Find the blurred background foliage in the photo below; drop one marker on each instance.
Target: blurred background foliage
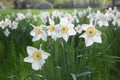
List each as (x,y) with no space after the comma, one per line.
(22,4)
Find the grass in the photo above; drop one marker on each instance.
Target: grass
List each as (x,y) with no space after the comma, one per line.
(68,61)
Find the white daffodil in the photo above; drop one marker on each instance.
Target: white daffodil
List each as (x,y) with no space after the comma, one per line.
(56,14)
(8,22)
(69,17)
(89,9)
(110,14)
(36,57)
(38,33)
(44,16)
(92,18)
(7,32)
(14,25)
(35,17)
(52,30)
(2,24)
(102,19)
(91,35)
(66,29)
(28,14)
(78,29)
(116,19)
(20,16)
(80,14)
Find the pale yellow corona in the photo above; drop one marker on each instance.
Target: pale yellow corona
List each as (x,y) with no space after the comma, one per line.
(36,56)
(51,28)
(118,17)
(64,29)
(37,30)
(91,31)
(78,28)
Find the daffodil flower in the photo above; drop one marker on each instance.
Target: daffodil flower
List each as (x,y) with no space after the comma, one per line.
(39,33)
(78,29)
(36,57)
(7,32)
(66,29)
(102,19)
(91,35)
(52,30)
(116,19)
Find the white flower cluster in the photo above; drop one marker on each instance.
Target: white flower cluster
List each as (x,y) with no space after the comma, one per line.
(8,24)
(62,25)
(103,19)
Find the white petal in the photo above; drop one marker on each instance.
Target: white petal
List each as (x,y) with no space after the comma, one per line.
(54,37)
(42,62)
(72,32)
(100,23)
(32,33)
(51,22)
(88,41)
(97,39)
(65,37)
(118,22)
(98,33)
(28,59)
(114,23)
(63,21)
(44,36)
(106,23)
(49,33)
(84,26)
(45,55)
(36,65)
(35,38)
(31,50)
(83,35)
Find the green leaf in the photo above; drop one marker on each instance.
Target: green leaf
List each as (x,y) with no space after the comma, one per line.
(73,76)
(83,74)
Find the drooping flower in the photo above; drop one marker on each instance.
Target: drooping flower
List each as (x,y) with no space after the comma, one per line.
(36,57)
(91,35)
(66,29)
(38,33)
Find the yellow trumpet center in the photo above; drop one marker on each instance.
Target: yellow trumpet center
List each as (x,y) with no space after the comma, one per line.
(91,31)
(36,56)
(51,28)
(118,17)
(37,30)
(78,28)
(64,29)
